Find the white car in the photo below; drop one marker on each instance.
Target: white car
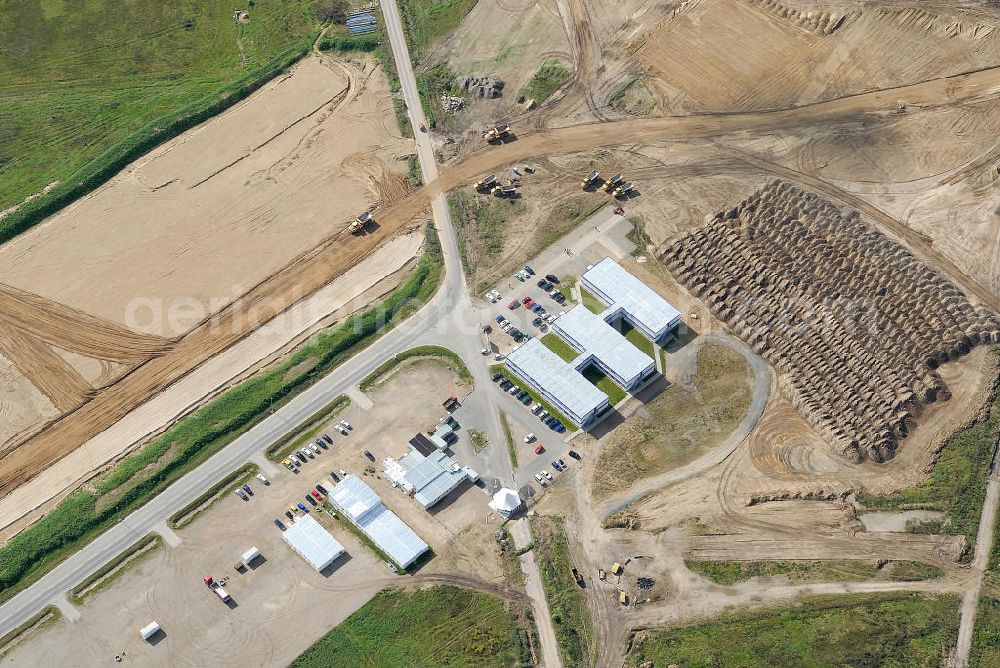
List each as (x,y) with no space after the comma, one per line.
(346,424)
(343,473)
(484,352)
(314,448)
(536,409)
(550,318)
(260,476)
(491,298)
(507,326)
(514,389)
(498,357)
(341,429)
(547,475)
(530,438)
(540,479)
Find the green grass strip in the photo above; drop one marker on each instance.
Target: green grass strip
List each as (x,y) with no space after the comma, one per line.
(84,514)
(450,358)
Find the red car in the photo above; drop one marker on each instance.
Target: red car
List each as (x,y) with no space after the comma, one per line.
(528,302)
(539,449)
(513,305)
(319,497)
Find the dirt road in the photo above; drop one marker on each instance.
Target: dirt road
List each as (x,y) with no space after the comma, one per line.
(312,270)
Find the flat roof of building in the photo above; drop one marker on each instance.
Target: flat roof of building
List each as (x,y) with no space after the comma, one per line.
(557,377)
(364,507)
(313,543)
(598,338)
(432,476)
(625,291)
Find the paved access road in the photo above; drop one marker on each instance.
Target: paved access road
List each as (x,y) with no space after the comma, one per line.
(448,319)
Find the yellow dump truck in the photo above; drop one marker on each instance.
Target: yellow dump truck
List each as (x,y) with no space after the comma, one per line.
(487,182)
(359,223)
(612,183)
(589,179)
(496,133)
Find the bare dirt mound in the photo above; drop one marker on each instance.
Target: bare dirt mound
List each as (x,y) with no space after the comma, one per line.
(856,324)
(723,55)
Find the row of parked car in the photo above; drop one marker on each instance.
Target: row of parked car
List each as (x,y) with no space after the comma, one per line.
(244,491)
(525,398)
(314,497)
(299,457)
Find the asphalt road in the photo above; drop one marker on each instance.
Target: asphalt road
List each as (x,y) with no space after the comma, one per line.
(449,319)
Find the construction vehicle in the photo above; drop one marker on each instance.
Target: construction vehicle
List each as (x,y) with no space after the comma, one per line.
(496,133)
(589,179)
(623,189)
(578,578)
(487,182)
(612,183)
(504,191)
(617,569)
(217,589)
(622,597)
(359,223)
(602,574)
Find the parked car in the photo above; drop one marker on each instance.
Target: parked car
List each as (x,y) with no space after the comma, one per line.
(314,448)
(521,395)
(310,499)
(536,409)
(369,455)
(278,524)
(529,270)
(547,475)
(484,352)
(540,479)
(302,507)
(543,284)
(551,278)
(321,489)
(498,357)
(574,454)
(561,463)
(528,438)
(292,510)
(343,473)
(519,277)
(500,319)
(536,308)
(328,438)
(513,305)
(555,465)
(246,488)
(346,424)
(505,384)
(544,414)
(306,453)
(289,514)
(260,476)
(527,300)
(560,428)
(495,377)
(287,463)
(316,495)
(339,428)
(526,399)
(537,322)
(514,389)
(243,495)
(539,449)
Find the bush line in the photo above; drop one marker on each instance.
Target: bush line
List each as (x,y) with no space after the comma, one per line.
(77,519)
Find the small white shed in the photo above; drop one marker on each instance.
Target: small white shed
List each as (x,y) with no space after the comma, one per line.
(149,630)
(250,555)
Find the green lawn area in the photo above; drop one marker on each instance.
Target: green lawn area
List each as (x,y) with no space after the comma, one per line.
(87,87)
(636,338)
(429,20)
(590,300)
(441,626)
(82,515)
(799,572)
(559,347)
(957,484)
(547,80)
(679,424)
(567,605)
(604,384)
(855,630)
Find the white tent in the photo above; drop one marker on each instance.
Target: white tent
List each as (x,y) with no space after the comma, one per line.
(250,555)
(505,502)
(149,630)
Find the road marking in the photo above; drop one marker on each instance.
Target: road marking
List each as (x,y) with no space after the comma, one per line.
(168,535)
(360,398)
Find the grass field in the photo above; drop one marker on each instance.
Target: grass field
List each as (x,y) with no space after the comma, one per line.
(546,81)
(481,225)
(87,87)
(429,20)
(855,630)
(957,484)
(679,424)
(601,381)
(801,572)
(441,626)
(593,304)
(567,606)
(559,347)
(85,513)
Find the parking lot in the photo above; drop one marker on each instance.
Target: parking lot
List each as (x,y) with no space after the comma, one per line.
(280,605)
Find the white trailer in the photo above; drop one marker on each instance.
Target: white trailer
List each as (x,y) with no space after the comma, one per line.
(250,555)
(149,630)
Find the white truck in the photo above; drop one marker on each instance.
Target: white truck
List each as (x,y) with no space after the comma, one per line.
(217,589)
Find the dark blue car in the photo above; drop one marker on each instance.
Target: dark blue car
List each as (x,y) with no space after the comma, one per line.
(499,318)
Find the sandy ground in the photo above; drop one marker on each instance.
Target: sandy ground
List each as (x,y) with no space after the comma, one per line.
(215,375)
(282,605)
(22,406)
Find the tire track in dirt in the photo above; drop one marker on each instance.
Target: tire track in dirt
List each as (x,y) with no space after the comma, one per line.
(65,327)
(307,273)
(51,374)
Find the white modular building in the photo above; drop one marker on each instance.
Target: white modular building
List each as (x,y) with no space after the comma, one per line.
(602,345)
(558,381)
(629,298)
(312,542)
(363,507)
(431,477)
